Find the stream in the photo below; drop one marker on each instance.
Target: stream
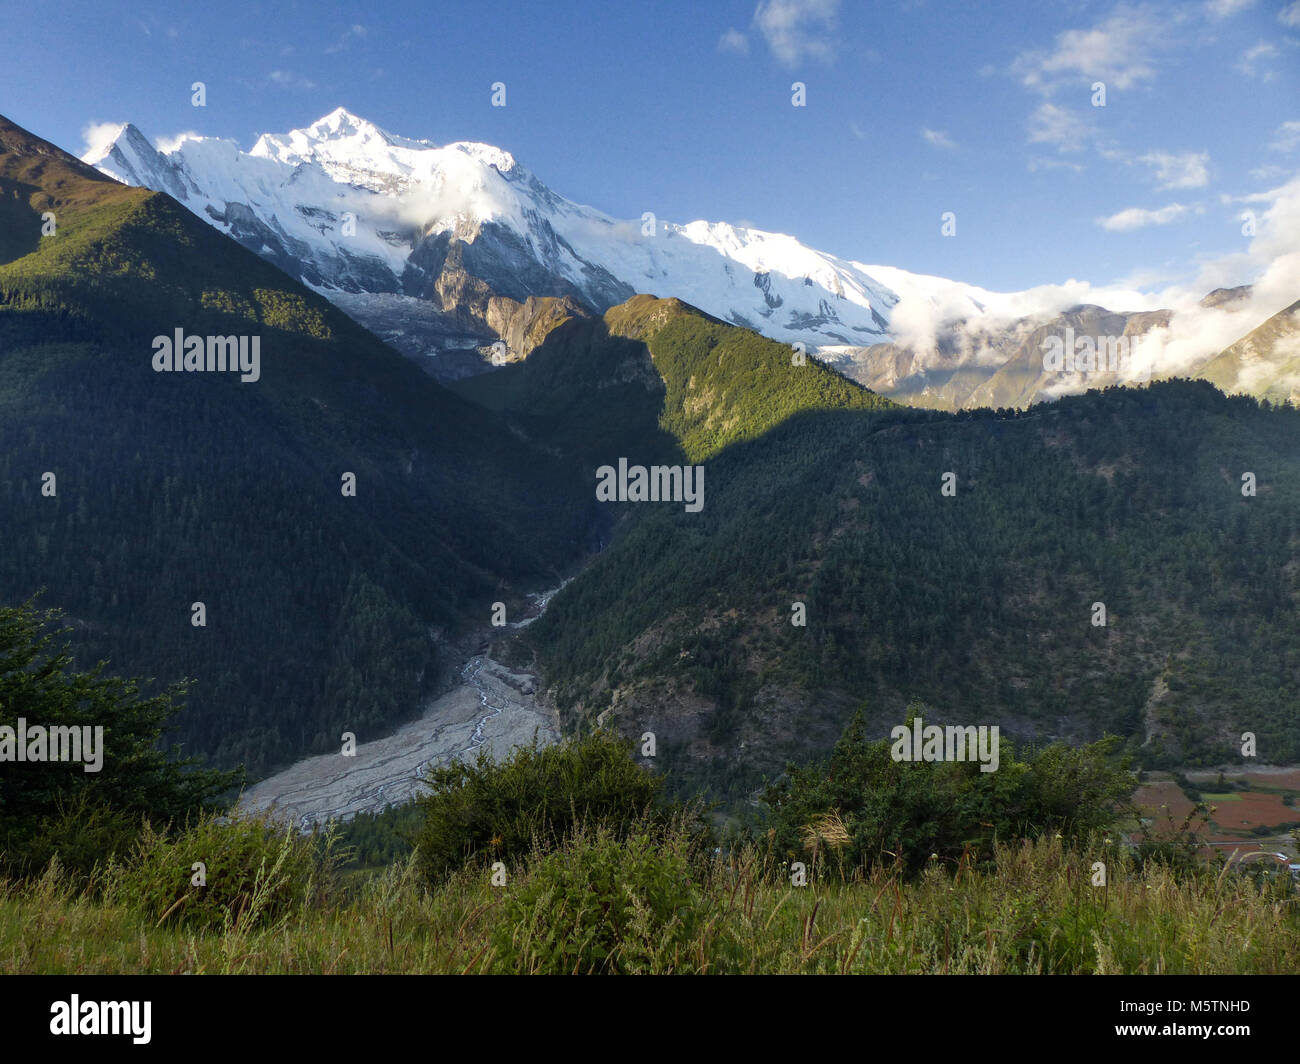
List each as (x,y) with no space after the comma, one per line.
(493,705)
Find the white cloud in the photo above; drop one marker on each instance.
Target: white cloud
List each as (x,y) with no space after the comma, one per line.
(1140,218)
(167,145)
(1116,51)
(938,138)
(1050,124)
(798,30)
(352,33)
(1248,64)
(1290,15)
(1287,137)
(1187,170)
(98,136)
(1269,172)
(734,41)
(927,304)
(1269,263)
(287,80)
(1225,8)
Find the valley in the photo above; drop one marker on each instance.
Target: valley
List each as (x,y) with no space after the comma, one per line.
(494,707)
(361,367)
(824,493)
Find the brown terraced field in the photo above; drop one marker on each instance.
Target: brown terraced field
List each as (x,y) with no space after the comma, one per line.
(1161,801)
(1236,813)
(1246,810)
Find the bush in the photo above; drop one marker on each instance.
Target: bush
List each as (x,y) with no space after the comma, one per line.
(83,834)
(501,811)
(602,905)
(863,808)
(256,872)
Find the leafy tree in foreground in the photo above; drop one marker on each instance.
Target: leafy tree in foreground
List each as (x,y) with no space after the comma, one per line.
(41,801)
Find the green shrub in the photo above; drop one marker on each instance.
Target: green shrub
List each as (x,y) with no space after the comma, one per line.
(255,872)
(83,834)
(500,811)
(862,808)
(602,905)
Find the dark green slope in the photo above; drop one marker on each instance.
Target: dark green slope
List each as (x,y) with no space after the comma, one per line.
(980,604)
(323,611)
(658,379)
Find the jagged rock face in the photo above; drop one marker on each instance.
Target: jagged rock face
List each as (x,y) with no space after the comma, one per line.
(357,212)
(473,283)
(972,365)
(446,251)
(523,326)
(1265,362)
(452,270)
(1226,297)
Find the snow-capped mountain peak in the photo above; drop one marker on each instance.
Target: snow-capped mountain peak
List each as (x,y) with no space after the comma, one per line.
(130,157)
(355,151)
(444,249)
(372,219)
(359,209)
(340,141)
(497,158)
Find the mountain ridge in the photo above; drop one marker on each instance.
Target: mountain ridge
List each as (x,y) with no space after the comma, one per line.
(767,280)
(324,611)
(448,252)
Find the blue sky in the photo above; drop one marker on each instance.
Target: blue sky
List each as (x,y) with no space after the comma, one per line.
(914,108)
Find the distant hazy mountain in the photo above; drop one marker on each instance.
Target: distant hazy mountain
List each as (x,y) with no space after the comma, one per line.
(1264,363)
(973,364)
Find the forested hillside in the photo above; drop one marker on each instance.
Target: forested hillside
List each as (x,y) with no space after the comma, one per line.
(658,378)
(828,567)
(324,611)
(981,602)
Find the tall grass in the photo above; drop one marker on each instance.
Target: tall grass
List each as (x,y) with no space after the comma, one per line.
(1034,910)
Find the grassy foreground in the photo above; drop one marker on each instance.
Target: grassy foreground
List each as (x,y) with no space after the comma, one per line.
(1033,911)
